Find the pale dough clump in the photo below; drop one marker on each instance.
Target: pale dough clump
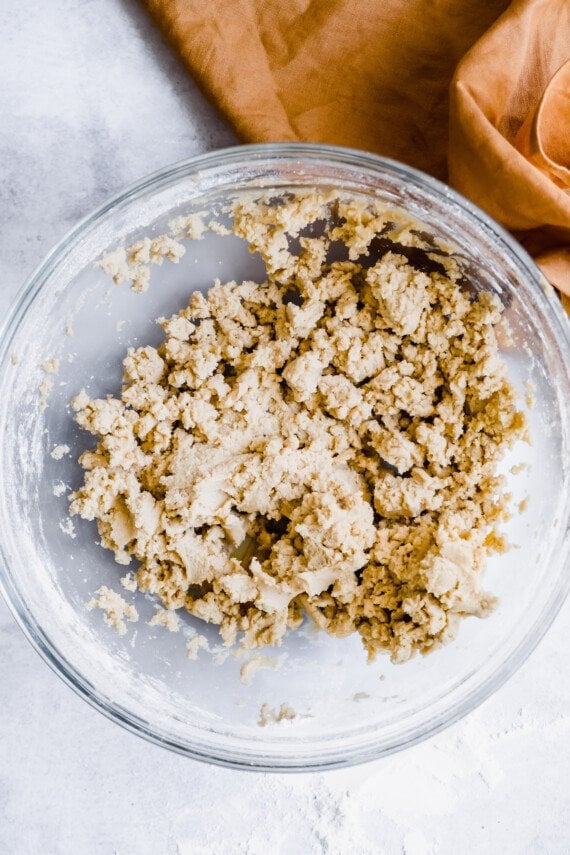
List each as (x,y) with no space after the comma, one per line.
(59,451)
(194,645)
(50,366)
(116,609)
(323,443)
(274,716)
(250,668)
(166,618)
(132,264)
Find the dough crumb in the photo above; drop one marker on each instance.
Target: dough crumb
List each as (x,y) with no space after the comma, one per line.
(250,668)
(166,618)
(220,656)
(59,489)
(523,505)
(14,358)
(218,228)
(59,451)
(274,716)
(132,264)
(68,327)
(116,609)
(46,385)
(194,645)
(115,265)
(129,582)
(191,226)
(50,366)
(119,326)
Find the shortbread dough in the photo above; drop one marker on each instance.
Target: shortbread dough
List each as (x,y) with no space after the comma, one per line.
(116,609)
(323,443)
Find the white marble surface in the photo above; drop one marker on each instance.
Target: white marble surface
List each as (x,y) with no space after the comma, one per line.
(91,99)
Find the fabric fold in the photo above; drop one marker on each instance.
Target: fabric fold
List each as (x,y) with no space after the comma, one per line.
(475,92)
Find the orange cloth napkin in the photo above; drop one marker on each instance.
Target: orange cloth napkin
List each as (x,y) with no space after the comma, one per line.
(476,92)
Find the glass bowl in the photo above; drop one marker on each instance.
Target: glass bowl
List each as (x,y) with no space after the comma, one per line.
(347,711)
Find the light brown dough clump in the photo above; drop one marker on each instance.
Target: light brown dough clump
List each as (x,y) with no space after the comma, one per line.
(116,609)
(323,443)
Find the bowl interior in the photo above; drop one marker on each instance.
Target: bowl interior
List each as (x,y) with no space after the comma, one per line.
(346,709)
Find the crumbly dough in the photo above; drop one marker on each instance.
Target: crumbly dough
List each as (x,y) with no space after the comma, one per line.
(193,226)
(250,668)
(195,644)
(59,489)
(129,582)
(132,264)
(324,443)
(166,618)
(116,609)
(50,366)
(58,452)
(271,716)
(46,385)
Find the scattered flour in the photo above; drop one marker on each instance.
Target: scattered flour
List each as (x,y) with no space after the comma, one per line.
(68,528)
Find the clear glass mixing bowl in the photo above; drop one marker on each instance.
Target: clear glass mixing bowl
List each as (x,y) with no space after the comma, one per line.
(347,710)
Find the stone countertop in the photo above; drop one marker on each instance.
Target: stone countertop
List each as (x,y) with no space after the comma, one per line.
(91,100)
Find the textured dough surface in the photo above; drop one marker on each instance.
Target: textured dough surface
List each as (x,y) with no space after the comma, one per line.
(324,443)
(115,608)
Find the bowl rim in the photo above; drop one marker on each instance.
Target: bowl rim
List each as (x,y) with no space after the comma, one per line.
(234,758)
